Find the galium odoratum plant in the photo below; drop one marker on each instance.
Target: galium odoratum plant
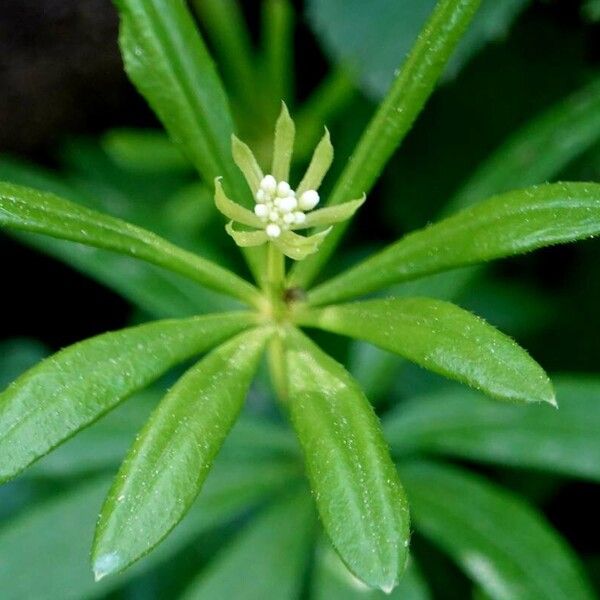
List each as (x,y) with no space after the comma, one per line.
(355,485)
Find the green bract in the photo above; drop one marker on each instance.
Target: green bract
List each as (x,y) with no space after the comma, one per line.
(280,210)
(357,489)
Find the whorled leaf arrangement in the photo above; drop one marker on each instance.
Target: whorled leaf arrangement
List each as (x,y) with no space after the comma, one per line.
(356,487)
(279,209)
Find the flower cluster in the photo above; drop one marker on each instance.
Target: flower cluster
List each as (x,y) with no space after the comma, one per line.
(279,210)
(278,207)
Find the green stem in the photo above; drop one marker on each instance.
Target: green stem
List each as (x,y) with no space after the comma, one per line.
(275,278)
(277,368)
(394,118)
(275,288)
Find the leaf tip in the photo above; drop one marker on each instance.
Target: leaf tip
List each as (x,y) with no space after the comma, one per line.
(388,588)
(284,109)
(106,564)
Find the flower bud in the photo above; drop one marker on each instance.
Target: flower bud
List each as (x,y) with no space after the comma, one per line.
(308,200)
(273,230)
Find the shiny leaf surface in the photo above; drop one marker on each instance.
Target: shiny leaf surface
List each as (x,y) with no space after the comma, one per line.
(25,209)
(74,387)
(358,495)
(445,339)
(170,459)
(505,225)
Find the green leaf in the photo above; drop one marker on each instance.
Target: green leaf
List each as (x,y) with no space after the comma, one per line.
(395,116)
(358,495)
(158,292)
(61,529)
(298,247)
(319,165)
(375,369)
(332,214)
(267,560)
(234,211)
(370,37)
(246,239)
(246,162)
(103,445)
(74,387)
(283,146)
(25,209)
(501,542)
(144,150)
(167,60)
(505,225)
(463,424)
(443,338)
(538,151)
(333,581)
(170,459)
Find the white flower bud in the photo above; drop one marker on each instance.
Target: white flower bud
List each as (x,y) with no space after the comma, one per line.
(273,216)
(289,218)
(261,210)
(308,200)
(268,184)
(260,195)
(283,189)
(273,230)
(299,217)
(288,204)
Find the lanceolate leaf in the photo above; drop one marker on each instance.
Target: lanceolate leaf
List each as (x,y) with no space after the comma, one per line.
(61,531)
(26,209)
(319,165)
(283,145)
(173,454)
(443,338)
(358,495)
(267,560)
(74,387)
(158,292)
(504,545)
(166,59)
(505,225)
(461,423)
(395,116)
